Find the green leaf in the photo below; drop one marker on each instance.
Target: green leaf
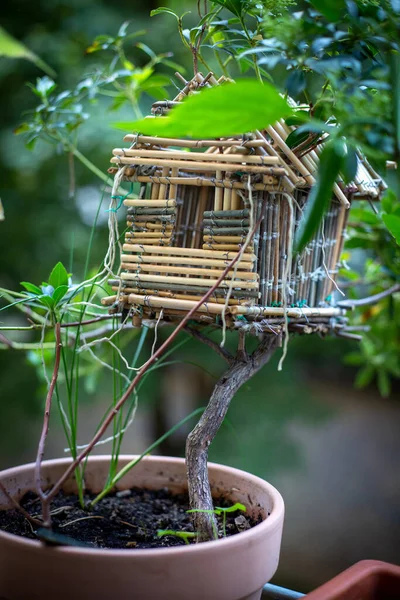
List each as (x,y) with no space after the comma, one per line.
(350,165)
(58,276)
(34,289)
(299,117)
(295,138)
(383,382)
(235,6)
(331,9)
(232,508)
(395,77)
(59,293)
(12,48)
(47,301)
(364,376)
(295,83)
(392,222)
(225,110)
(164,9)
(331,162)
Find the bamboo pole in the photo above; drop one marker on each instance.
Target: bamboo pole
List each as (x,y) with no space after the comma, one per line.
(236,159)
(200,290)
(201,166)
(168,294)
(207,272)
(221,214)
(186,252)
(231,223)
(174,303)
(228,231)
(147,225)
(160,212)
(267,148)
(167,203)
(199,281)
(227,247)
(265,311)
(296,162)
(202,181)
(228,239)
(160,141)
(145,241)
(183,260)
(149,234)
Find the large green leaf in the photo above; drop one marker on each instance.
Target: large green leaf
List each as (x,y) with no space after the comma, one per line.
(235,6)
(225,110)
(331,9)
(392,222)
(12,48)
(395,73)
(58,276)
(331,162)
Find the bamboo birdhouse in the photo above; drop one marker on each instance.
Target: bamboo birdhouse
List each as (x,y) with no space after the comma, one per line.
(202,200)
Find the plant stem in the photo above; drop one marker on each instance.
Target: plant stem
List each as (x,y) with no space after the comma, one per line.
(107,421)
(42,442)
(200,438)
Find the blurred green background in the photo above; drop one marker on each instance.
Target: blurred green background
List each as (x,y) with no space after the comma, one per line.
(330,449)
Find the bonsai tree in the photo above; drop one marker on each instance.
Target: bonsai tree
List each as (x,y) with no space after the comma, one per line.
(341,108)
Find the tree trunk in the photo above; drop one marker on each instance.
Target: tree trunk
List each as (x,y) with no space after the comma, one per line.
(241,369)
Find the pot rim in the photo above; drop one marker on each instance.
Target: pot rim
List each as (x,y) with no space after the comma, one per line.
(267,526)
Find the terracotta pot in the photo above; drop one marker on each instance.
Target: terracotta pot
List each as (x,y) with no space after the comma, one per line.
(366,580)
(235,568)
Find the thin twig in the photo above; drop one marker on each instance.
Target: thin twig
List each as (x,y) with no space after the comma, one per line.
(89,321)
(208,342)
(42,442)
(370,299)
(100,432)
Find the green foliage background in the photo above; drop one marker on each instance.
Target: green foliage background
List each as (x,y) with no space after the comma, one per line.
(45,217)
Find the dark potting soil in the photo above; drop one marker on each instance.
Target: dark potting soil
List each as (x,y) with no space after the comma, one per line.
(128,519)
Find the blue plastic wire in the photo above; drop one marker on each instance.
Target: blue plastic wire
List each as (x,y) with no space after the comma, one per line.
(274,592)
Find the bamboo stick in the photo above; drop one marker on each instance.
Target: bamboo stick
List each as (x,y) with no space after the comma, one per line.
(160,141)
(183,260)
(237,159)
(143,220)
(147,225)
(200,290)
(161,212)
(222,231)
(296,162)
(167,203)
(218,202)
(232,223)
(199,181)
(155,188)
(202,205)
(293,179)
(264,311)
(149,234)
(163,186)
(228,239)
(186,305)
(207,272)
(201,166)
(146,241)
(227,283)
(168,294)
(221,214)
(227,247)
(186,252)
